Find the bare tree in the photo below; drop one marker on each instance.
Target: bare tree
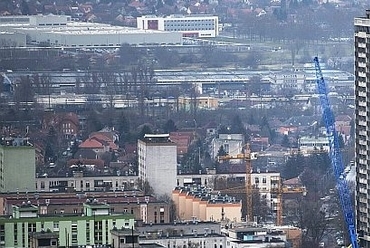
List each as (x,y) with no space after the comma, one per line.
(144,186)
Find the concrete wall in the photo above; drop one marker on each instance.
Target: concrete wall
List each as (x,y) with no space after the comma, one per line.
(158,165)
(18,165)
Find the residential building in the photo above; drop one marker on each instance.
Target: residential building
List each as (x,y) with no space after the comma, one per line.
(194,26)
(201,204)
(256,237)
(183,234)
(17,165)
(232,144)
(362,90)
(145,208)
(65,123)
(182,141)
(201,102)
(265,181)
(79,182)
(310,144)
(157,161)
(93,227)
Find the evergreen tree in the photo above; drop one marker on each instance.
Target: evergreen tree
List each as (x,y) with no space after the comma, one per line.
(221,151)
(285,142)
(293,167)
(145,130)
(170,126)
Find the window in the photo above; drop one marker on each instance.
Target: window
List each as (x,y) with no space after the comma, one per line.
(56,225)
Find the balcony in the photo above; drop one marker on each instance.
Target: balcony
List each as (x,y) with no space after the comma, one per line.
(362,123)
(362,74)
(362,104)
(362,84)
(362,93)
(362,55)
(360,44)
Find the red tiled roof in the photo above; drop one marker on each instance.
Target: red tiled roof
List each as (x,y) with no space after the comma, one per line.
(91,143)
(98,140)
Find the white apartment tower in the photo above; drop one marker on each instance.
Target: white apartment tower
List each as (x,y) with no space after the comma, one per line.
(157,159)
(362,136)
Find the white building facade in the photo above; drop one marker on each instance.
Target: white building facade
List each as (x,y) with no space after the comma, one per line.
(190,26)
(231,143)
(157,160)
(310,144)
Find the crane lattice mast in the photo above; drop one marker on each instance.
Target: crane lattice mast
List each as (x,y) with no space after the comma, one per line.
(336,156)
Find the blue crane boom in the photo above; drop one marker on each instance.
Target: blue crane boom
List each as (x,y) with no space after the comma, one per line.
(336,156)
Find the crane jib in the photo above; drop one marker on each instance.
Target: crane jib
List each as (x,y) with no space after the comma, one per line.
(336,156)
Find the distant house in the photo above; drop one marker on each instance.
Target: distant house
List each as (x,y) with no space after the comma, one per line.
(259,143)
(285,130)
(66,124)
(299,123)
(101,141)
(69,125)
(211,128)
(253,129)
(182,141)
(232,144)
(97,144)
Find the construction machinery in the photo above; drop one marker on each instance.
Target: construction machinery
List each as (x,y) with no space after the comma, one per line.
(283,189)
(277,187)
(246,156)
(336,156)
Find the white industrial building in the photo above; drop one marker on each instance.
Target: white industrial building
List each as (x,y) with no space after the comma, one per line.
(157,160)
(61,31)
(12,39)
(189,26)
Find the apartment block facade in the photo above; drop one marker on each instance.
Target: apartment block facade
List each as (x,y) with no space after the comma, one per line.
(199,203)
(145,209)
(362,126)
(91,228)
(157,159)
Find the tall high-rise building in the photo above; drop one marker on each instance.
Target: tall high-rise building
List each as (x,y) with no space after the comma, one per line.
(362,126)
(157,160)
(17,165)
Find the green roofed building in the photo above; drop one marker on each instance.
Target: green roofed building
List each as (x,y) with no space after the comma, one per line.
(93,227)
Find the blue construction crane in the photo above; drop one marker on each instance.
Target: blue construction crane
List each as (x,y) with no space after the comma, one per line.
(335,155)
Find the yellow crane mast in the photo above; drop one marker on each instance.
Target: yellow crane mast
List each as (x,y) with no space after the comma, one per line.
(280,190)
(246,156)
(248,189)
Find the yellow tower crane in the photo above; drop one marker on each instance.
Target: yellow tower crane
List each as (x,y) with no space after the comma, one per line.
(246,156)
(279,189)
(283,189)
